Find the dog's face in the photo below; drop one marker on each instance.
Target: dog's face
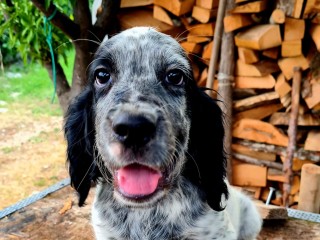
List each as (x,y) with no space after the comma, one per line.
(142,123)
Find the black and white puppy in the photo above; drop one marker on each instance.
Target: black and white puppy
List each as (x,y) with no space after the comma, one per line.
(154,143)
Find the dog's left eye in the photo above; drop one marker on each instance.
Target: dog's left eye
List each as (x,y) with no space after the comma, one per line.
(175,77)
(102,77)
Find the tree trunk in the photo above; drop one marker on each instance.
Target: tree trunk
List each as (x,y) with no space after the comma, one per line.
(63,89)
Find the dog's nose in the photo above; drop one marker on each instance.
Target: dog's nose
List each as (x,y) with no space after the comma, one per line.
(133,130)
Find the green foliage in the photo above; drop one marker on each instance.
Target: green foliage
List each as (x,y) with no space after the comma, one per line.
(24,27)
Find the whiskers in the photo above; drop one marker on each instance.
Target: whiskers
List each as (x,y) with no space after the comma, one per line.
(100,164)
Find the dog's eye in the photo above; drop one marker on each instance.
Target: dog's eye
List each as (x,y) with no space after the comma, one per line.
(175,77)
(102,77)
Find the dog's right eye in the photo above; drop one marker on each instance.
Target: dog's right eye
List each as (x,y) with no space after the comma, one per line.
(102,77)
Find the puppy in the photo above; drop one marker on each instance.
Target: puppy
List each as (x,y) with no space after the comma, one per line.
(153,141)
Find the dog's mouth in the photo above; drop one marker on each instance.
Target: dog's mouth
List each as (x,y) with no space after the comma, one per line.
(137,181)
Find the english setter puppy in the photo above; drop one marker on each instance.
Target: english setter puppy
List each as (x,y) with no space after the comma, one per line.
(153,141)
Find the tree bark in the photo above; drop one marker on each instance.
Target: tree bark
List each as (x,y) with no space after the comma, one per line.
(63,88)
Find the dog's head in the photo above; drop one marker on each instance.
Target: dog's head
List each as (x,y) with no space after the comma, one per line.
(142,123)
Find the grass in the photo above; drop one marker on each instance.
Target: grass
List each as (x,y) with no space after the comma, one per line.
(32,87)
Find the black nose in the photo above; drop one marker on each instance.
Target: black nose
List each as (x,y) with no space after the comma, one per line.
(133,130)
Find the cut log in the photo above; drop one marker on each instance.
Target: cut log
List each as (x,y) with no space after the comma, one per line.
(292,8)
(260,69)
(251,7)
(315,34)
(311,7)
(248,55)
(258,162)
(300,153)
(198,39)
(176,7)
(293,29)
(309,197)
(191,47)
(259,37)
(270,212)
(259,112)
(277,17)
(275,175)
(313,98)
(202,29)
(272,53)
(161,14)
(244,174)
(209,4)
(204,15)
(282,87)
(296,163)
(287,64)
(313,141)
(291,48)
(282,118)
(259,131)
(135,3)
(142,17)
(286,101)
(236,21)
(264,82)
(203,78)
(206,54)
(237,148)
(250,102)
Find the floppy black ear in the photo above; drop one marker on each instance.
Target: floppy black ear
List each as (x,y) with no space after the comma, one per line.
(206,165)
(80,134)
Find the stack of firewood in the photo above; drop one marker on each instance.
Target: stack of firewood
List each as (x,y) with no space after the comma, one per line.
(271,39)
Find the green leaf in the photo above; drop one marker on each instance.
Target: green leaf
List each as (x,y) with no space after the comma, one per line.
(47,3)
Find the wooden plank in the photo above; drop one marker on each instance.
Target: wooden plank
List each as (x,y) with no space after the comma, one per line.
(259,112)
(254,101)
(315,34)
(265,82)
(250,7)
(282,118)
(259,131)
(275,175)
(313,141)
(260,69)
(291,48)
(176,7)
(206,29)
(282,87)
(248,55)
(255,154)
(206,54)
(209,4)
(269,212)
(287,64)
(204,15)
(191,47)
(233,22)
(198,39)
(293,29)
(244,174)
(296,163)
(309,197)
(259,37)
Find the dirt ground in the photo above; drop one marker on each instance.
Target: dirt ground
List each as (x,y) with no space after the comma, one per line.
(32,153)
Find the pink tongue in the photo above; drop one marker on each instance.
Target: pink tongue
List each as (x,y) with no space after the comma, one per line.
(138,180)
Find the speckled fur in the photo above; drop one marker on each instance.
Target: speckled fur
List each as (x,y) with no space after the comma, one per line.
(185,207)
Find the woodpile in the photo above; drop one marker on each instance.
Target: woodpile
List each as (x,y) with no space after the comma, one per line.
(271,40)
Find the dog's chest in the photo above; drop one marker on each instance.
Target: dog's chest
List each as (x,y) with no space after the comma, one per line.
(177,217)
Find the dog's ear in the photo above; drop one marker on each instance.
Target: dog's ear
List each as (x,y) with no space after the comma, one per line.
(206,161)
(80,134)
